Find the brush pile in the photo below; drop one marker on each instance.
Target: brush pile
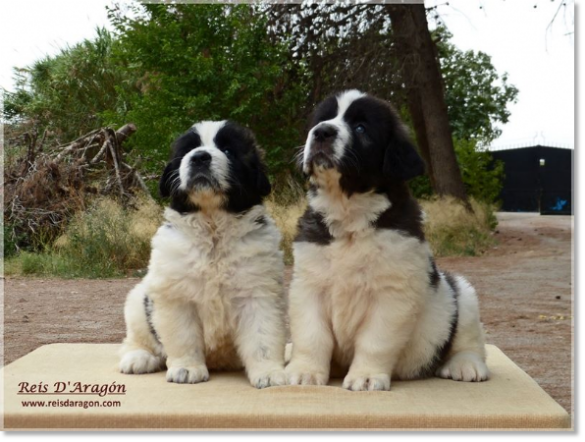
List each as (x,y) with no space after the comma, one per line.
(43,189)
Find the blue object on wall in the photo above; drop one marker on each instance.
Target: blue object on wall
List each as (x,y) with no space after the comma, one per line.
(559,205)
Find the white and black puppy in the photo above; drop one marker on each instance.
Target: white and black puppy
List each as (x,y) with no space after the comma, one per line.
(213,295)
(366,293)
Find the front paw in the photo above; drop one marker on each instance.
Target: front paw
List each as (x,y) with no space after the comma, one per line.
(466,367)
(139,362)
(271,378)
(367,382)
(297,374)
(188,375)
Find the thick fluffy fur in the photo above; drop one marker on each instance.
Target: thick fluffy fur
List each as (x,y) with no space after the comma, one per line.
(213,296)
(366,294)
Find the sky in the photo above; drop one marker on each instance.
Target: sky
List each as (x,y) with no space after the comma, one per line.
(539,61)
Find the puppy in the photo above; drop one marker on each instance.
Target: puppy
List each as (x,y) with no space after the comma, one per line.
(213,296)
(365,291)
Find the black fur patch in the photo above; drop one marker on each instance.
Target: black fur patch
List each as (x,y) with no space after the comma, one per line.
(261,220)
(148,307)
(404,213)
(452,283)
(443,350)
(312,228)
(434,276)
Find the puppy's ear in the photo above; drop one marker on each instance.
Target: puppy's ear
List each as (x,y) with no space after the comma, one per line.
(166,181)
(262,182)
(401,159)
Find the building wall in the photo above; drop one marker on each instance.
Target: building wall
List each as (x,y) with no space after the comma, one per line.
(532,187)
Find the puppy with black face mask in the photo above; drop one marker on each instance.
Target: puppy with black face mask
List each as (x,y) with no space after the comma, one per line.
(366,293)
(213,295)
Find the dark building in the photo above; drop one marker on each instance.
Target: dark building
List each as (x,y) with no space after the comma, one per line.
(538,179)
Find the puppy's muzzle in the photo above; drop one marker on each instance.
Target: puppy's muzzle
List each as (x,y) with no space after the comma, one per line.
(321,151)
(200,164)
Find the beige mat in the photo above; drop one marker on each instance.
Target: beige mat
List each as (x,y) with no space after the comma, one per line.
(511,399)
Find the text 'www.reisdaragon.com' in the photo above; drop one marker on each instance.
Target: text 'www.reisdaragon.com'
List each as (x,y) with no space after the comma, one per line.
(68,403)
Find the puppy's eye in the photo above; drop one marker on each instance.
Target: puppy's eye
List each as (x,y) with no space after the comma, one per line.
(227,151)
(360,129)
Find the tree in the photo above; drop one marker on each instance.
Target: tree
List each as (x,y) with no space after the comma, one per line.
(422,76)
(476,96)
(167,66)
(354,46)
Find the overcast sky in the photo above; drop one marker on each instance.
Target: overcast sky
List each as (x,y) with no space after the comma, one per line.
(540,62)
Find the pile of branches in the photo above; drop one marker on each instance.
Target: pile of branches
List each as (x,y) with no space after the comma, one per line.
(43,189)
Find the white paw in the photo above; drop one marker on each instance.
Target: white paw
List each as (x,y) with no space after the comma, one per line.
(139,362)
(270,378)
(367,382)
(188,375)
(464,366)
(304,375)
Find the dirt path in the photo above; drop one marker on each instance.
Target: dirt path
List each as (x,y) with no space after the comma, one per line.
(524,286)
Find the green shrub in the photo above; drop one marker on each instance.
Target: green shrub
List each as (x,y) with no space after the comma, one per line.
(482,176)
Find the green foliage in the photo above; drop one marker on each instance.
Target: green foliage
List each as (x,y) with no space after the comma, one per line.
(477,97)
(206,62)
(9,241)
(67,93)
(168,66)
(481,175)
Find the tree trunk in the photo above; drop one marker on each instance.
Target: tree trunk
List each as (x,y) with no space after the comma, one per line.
(418,121)
(423,79)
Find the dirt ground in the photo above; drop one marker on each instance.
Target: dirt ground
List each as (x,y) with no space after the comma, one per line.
(524,284)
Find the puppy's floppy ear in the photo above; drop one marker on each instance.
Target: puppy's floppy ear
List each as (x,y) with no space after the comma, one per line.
(166,180)
(262,182)
(401,160)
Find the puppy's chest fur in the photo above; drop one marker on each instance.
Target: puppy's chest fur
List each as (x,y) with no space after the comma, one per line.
(358,263)
(214,263)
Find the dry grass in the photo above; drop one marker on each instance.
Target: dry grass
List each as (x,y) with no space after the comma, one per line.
(449,227)
(454,231)
(286,216)
(105,241)
(109,240)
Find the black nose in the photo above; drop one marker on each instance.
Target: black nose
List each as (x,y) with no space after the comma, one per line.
(324,132)
(201,158)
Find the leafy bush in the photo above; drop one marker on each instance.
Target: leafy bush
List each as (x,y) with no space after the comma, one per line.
(206,62)
(9,241)
(66,94)
(482,176)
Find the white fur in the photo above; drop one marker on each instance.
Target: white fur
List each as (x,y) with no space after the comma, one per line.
(344,100)
(365,302)
(215,279)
